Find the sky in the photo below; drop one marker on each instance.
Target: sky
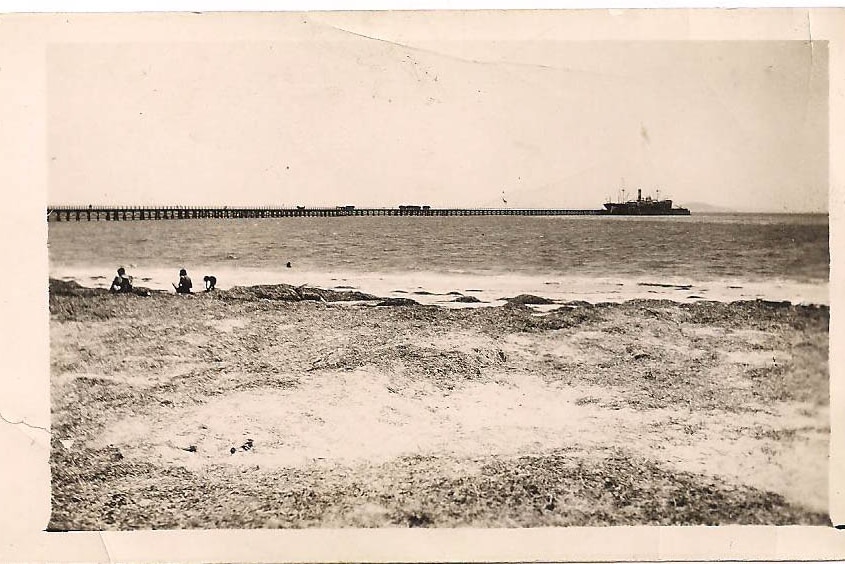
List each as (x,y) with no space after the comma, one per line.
(327,116)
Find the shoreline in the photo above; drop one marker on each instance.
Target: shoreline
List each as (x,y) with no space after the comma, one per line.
(308,413)
(440,288)
(283,292)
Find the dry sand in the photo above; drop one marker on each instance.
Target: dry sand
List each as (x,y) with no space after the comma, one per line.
(347,414)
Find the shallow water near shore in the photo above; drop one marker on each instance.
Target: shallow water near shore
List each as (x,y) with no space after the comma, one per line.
(722,257)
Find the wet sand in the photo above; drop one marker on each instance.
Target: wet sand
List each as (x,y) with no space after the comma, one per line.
(348,414)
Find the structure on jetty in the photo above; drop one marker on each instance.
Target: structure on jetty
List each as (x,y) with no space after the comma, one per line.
(127,213)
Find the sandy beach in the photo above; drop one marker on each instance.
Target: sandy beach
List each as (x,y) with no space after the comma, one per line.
(278,406)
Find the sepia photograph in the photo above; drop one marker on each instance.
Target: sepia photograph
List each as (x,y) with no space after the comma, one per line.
(339,281)
(399,270)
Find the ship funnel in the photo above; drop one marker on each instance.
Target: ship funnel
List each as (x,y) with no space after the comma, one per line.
(639,194)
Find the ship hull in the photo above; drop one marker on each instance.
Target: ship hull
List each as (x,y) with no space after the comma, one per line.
(634,211)
(642,206)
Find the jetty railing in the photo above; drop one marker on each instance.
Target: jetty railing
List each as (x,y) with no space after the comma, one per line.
(145,213)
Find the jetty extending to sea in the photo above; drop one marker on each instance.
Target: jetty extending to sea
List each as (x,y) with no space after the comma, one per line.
(640,206)
(127,213)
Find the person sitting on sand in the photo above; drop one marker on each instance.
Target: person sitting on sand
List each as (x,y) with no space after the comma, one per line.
(122,284)
(210,282)
(185,283)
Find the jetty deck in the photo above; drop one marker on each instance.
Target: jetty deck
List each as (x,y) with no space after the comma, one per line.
(143,213)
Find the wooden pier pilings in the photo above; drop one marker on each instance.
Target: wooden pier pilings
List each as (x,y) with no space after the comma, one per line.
(141,213)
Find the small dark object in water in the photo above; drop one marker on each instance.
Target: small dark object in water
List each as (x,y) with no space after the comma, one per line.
(192,448)
(288,265)
(247,445)
(233,450)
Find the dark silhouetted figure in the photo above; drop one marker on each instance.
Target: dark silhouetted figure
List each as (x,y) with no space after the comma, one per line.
(288,265)
(210,282)
(122,284)
(185,283)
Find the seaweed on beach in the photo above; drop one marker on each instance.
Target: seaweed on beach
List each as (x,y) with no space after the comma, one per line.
(103,489)
(758,314)
(155,360)
(286,292)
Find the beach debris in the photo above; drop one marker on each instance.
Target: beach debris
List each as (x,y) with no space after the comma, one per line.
(419,519)
(310,295)
(660,285)
(528,299)
(398,302)
(288,293)
(247,445)
(578,303)
(73,288)
(191,448)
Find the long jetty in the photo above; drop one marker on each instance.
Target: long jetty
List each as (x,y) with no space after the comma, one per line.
(141,213)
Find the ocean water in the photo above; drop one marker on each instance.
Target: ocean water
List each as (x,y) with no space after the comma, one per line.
(703,256)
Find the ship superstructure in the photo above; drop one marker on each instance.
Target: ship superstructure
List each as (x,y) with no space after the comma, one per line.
(644,206)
